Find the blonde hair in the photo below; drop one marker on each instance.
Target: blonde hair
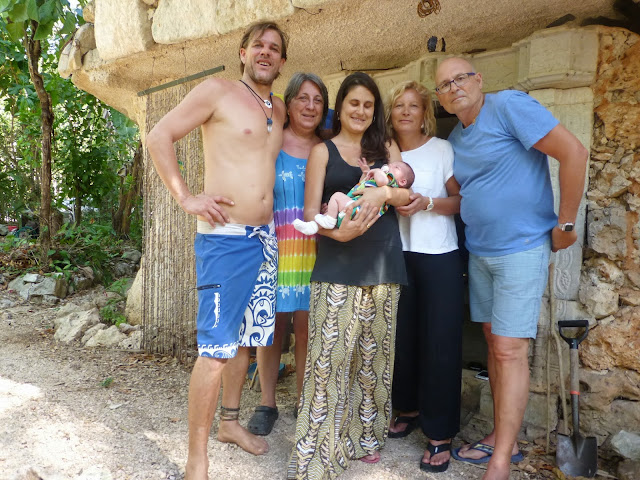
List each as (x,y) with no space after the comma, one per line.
(429,120)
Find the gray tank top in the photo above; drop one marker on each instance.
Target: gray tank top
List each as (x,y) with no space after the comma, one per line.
(373,258)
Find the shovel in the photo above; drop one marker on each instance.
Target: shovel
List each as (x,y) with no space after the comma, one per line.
(576,455)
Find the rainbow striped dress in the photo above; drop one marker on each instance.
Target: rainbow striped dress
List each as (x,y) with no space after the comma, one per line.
(297,252)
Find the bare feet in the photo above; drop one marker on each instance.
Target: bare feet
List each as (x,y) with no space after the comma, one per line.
(197,468)
(438,458)
(233,432)
(372,458)
(497,471)
(467,452)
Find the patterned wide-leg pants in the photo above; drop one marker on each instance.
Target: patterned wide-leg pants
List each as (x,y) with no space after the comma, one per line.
(345,405)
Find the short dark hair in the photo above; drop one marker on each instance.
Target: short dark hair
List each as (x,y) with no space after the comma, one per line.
(258,28)
(293,87)
(375,139)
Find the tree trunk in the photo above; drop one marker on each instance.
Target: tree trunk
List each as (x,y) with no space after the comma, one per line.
(32,48)
(77,204)
(123,215)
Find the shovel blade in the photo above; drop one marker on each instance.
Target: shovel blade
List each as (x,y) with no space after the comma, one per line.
(577,456)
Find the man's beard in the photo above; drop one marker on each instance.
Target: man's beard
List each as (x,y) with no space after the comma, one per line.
(261,81)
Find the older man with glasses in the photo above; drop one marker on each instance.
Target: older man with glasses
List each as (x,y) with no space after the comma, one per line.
(500,160)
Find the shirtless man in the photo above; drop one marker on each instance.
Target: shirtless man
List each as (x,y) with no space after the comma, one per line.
(236,248)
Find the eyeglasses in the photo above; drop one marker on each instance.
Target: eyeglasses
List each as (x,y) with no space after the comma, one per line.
(459,80)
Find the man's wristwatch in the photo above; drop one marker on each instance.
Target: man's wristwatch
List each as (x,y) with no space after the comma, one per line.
(566,227)
(430,206)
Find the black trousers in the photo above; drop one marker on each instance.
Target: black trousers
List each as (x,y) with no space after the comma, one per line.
(428,358)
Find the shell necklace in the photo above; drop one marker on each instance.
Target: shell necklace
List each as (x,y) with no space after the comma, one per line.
(268,104)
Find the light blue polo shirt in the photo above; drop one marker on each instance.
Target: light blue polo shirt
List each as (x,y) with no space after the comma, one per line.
(507,200)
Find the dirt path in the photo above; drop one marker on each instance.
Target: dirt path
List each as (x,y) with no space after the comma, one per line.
(93,414)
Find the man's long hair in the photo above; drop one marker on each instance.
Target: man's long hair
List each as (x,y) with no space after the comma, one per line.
(257,29)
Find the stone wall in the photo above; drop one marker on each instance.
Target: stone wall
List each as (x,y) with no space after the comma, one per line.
(610,279)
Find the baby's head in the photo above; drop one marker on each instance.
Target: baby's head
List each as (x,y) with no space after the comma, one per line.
(403,173)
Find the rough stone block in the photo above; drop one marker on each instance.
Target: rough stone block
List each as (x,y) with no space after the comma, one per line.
(627,444)
(231,14)
(91,332)
(74,325)
(109,337)
(176,21)
(308,3)
(133,341)
(122,28)
(89,12)
(535,414)
(559,58)
(600,298)
(615,344)
(629,470)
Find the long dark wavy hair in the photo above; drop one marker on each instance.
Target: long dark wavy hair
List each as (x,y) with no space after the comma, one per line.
(375,139)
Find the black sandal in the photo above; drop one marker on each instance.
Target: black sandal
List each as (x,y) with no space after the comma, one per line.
(434,450)
(263,419)
(411,422)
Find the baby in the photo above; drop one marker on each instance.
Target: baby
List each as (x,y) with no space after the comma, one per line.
(396,174)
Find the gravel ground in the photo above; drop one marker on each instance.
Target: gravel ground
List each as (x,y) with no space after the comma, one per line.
(75,413)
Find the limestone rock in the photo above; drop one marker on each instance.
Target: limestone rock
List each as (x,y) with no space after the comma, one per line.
(604,423)
(109,337)
(50,286)
(38,289)
(634,277)
(626,444)
(606,271)
(74,325)
(607,230)
(603,387)
(152,3)
(133,307)
(83,278)
(598,297)
(89,12)
(122,28)
(91,332)
(177,21)
(630,296)
(615,344)
(127,329)
(132,256)
(231,14)
(629,470)
(4,230)
(307,3)
(133,341)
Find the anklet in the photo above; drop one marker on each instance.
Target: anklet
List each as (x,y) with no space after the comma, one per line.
(229,414)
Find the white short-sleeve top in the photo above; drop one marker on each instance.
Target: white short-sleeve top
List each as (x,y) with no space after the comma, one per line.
(429,232)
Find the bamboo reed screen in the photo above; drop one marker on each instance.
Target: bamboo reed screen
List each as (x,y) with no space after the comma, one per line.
(169,299)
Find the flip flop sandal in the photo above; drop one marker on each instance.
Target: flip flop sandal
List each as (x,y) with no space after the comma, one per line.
(434,450)
(262,420)
(483,447)
(411,422)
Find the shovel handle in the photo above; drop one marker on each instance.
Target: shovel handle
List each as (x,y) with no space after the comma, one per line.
(573,341)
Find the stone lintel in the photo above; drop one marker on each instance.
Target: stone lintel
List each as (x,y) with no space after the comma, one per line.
(176,21)
(122,28)
(231,14)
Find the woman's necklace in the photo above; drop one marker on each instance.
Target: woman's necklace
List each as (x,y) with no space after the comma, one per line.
(268,104)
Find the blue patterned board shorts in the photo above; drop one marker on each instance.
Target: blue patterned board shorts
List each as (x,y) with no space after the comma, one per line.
(237,270)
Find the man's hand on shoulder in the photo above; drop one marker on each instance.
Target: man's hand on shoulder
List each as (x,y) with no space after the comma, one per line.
(561,240)
(208,207)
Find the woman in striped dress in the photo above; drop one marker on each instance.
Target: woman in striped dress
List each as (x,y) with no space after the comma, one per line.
(307,105)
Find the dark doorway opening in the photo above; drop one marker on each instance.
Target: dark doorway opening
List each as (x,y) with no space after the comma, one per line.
(474,347)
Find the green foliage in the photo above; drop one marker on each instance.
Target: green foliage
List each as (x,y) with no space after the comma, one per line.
(111,313)
(91,244)
(106,383)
